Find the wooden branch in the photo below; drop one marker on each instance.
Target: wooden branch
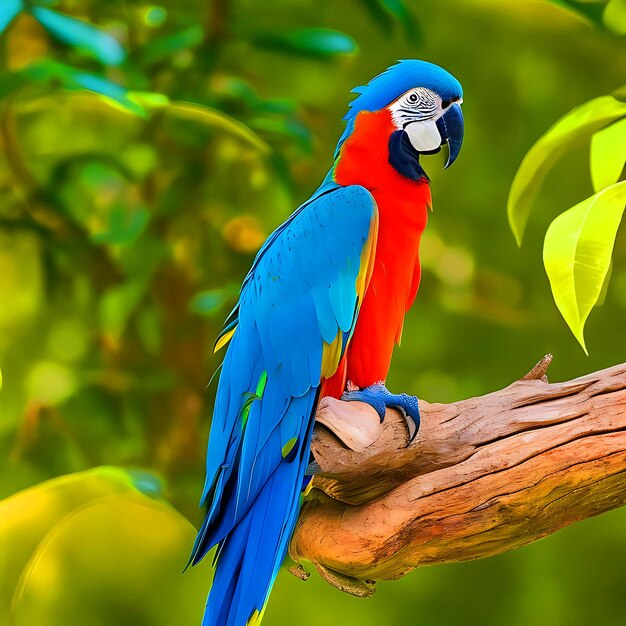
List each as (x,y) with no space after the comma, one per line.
(483,476)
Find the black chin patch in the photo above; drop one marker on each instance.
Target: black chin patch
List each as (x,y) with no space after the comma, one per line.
(404,158)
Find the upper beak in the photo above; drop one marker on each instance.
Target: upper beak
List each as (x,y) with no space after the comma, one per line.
(450,126)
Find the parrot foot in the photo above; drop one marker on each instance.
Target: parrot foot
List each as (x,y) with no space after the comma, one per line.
(379,397)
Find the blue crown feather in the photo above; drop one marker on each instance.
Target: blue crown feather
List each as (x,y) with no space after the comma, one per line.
(393,82)
(399,78)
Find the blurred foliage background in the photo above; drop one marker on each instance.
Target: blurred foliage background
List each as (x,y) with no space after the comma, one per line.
(144,160)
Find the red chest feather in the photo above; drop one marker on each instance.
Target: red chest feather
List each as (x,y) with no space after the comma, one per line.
(403,211)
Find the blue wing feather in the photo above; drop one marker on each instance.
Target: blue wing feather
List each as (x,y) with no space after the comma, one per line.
(300,292)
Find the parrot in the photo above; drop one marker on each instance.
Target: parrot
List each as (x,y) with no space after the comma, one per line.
(318,315)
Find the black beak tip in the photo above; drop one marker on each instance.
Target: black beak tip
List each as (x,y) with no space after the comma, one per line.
(454,147)
(451,128)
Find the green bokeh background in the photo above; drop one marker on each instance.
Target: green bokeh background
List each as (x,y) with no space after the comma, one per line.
(123,240)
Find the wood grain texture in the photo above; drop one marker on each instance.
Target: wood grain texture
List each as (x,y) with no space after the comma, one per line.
(483,476)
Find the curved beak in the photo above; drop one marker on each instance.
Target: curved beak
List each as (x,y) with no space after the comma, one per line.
(450,126)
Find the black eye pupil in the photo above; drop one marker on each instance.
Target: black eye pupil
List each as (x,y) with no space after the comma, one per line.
(413,98)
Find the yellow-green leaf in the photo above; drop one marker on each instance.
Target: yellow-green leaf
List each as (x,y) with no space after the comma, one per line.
(219,119)
(577,125)
(608,155)
(605,285)
(115,560)
(614,16)
(577,254)
(149,100)
(26,517)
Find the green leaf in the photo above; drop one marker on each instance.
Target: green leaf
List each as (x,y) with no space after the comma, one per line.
(164,47)
(574,127)
(286,127)
(113,92)
(212,301)
(316,42)
(141,102)
(72,79)
(8,11)
(399,10)
(385,12)
(589,11)
(614,16)
(608,155)
(577,254)
(79,34)
(235,88)
(218,119)
(125,225)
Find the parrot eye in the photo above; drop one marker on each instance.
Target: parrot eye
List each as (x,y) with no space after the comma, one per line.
(415,105)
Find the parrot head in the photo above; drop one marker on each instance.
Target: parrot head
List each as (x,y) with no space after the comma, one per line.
(424,102)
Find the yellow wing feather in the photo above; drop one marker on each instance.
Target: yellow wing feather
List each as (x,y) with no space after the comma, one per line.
(223,340)
(331,353)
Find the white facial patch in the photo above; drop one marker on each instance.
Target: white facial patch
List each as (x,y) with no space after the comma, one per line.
(424,136)
(416,112)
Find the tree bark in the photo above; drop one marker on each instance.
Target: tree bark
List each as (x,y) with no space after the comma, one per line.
(482,476)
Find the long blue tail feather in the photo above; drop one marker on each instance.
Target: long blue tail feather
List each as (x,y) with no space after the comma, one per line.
(251,553)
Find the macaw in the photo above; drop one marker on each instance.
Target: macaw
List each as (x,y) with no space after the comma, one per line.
(319,314)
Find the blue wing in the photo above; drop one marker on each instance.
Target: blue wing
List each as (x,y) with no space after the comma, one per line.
(296,310)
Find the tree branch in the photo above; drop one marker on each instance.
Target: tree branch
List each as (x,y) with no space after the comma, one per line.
(483,476)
